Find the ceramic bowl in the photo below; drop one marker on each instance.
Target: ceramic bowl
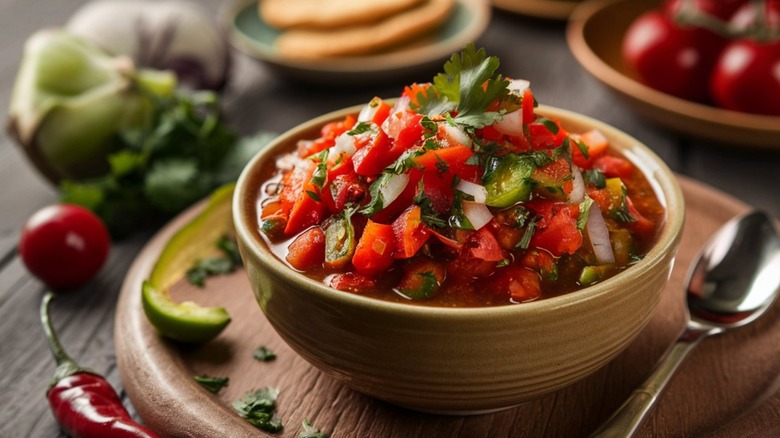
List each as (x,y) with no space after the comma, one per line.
(457,360)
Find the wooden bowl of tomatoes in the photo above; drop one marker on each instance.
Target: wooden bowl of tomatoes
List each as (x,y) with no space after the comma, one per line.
(452,298)
(684,76)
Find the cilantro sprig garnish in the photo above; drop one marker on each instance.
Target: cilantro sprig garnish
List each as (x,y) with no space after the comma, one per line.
(468,85)
(221,265)
(212,384)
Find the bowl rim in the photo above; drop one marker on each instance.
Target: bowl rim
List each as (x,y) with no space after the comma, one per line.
(666,187)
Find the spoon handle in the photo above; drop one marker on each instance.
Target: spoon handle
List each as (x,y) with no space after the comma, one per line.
(626,420)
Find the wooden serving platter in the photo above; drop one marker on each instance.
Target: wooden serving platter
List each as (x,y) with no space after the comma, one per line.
(728,387)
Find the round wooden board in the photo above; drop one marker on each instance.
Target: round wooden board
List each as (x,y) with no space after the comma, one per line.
(728,387)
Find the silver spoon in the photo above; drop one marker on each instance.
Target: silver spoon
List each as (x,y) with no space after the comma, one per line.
(733,281)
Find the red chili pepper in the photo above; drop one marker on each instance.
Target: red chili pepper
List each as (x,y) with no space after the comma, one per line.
(83,402)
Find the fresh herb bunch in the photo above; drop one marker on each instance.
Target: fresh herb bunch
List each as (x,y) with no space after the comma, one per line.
(258,408)
(179,156)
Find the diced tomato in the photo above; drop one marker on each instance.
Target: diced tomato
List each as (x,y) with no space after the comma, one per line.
(596,145)
(540,261)
(522,284)
(390,212)
(422,278)
(528,106)
(557,230)
(410,233)
(447,241)
(371,159)
(292,185)
(466,267)
(307,250)
(484,246)
(542,138)
(405,130)
(306,211)
(374,251)
(451,159)
(554,180)
(352,282)
(381,113)
(613,167)
(339,166)
(329,132)
(642,224)
(508,237)
(437,188)
(344,189)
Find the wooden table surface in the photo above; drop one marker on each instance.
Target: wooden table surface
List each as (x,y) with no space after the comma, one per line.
(258,100)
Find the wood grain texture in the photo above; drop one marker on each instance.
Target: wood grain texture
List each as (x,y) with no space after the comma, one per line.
(722,380)
(257,99)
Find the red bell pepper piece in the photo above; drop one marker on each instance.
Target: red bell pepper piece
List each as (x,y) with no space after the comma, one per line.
(374,251)
(410,233)
(306,211)
(307,250)
(371,159)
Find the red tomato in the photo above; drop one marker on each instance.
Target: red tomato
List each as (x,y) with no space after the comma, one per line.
(747,78)
(722,9)
(64,245)
(307,250)
(374,251)
(520,283)
(670,58)
(745,16)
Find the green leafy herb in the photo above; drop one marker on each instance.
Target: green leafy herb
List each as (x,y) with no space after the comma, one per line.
(258,408)
(549,124)
(321,171)
(309,431)
(360,128)
(582,218)
(428,214)
(179,156)
(583,149)
(460,87)
(263,354)
(313,195)
(375,191)
(621,212)
(225,264)
(212,384)
(595,177)
(525,241)
(502,263)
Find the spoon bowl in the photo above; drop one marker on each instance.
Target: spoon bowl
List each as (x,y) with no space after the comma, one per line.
(734,281)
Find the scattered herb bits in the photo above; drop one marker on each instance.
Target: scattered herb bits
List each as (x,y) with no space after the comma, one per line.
(212,384)
(263,354)
(258,408)
(309,431)
(223,265)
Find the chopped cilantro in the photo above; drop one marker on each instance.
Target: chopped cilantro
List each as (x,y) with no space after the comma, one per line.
(212,384)
(208,267)
(360,128)
(502,263)
(309,431)
(258,408)
(621,212)
(263,354)
(582,218)
(549,124)
(525,241)
(321,172)
(376,202)
(595,177)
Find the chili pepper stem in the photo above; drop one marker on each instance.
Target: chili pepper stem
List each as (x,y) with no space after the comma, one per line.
(66,366)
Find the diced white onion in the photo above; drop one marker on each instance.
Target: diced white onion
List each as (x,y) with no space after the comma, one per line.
(287,161)
(345,143)
(510,123)
(477,213)
(368,111)
(455,135)
(402,104)
(477,191)
(518,86)
(599,236)
(578,186)
(393,188)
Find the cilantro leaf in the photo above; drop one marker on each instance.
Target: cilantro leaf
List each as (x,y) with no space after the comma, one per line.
(258,406)
(460,88)
(202,269)
(263,354)
(212,384)
(309,431)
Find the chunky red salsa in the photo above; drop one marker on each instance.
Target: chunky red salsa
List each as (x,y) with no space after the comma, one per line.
(458,194)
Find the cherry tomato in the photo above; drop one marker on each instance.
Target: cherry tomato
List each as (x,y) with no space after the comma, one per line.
(745,17)
(672,59)
(747,77)
(64,245)
(722,9)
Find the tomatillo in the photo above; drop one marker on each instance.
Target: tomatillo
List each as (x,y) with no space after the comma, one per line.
(508,180)
(188,321)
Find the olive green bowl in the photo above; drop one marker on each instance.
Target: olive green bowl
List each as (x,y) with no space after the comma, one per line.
(457,360)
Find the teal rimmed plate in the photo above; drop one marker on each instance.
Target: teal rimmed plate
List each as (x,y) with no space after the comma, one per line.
(251,35)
